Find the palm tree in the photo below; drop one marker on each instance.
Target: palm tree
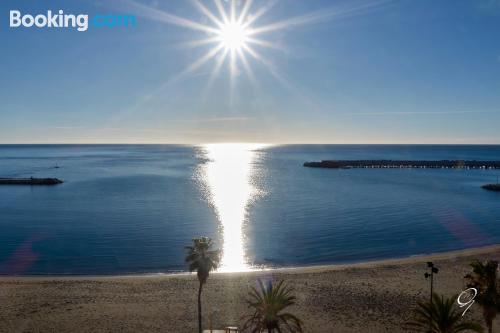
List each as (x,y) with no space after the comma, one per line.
(268,304)
(203,260)
(484,279)
(441,316)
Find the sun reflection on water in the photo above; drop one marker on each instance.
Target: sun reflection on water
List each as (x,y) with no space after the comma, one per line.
(227,176)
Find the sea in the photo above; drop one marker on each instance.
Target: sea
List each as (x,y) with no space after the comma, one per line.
(132,209)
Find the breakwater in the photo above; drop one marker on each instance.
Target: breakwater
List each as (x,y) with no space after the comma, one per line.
(397,164)
(30,181)
(492,187)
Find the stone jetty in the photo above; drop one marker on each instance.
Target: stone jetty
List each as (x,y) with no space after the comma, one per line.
(397,164)
(30,181)
(492,187)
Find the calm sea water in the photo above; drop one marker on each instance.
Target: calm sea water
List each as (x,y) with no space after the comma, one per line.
(133,208)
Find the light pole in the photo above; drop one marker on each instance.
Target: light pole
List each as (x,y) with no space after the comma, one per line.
(431,275)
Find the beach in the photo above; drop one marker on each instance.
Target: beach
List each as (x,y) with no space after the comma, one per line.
(367,297)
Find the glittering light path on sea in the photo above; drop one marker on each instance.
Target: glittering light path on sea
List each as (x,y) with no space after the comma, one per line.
(227,177)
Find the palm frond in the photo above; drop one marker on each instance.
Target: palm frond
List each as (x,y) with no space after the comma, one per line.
(268,300)
(201,258)
(441,316)
(484,279)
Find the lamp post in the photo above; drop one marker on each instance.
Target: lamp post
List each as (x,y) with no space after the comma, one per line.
(433,270)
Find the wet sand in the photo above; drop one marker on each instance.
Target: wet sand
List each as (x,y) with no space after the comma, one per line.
(368,297)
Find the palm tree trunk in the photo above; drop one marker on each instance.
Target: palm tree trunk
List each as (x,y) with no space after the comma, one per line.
(488,318)
(200,330)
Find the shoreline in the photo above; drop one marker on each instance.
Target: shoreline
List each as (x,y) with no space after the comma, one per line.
(416,258)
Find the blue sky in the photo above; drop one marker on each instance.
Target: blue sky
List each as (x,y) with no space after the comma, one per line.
(346,72)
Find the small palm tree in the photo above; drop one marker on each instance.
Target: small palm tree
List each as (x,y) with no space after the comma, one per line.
(441,316)
(202,259)
(484,279)
(268,304)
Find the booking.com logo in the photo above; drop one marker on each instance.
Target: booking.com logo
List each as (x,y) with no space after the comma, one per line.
(61,20)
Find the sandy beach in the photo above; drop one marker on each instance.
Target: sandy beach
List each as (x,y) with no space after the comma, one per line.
(368,297)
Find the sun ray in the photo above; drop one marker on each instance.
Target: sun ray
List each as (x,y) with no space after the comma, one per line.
(202,60)
(246,67)
(264,43)
(233,10)
(281,79)
(199,42)
(263,10)
(252,52)
(233,61)
(232,31)
(203,9)
(166,17)
(190,69)
(215,72)
(219,62)
(222,11)
(232,75)
(272,69)
(244,11)
(318,16)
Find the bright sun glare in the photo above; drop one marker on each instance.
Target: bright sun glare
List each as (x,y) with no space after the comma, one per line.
(233,36)
(228,177)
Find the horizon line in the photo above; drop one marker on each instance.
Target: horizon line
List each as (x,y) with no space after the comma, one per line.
(246,142)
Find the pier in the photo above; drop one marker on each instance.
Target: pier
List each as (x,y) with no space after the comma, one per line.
(403,164)
(30,181)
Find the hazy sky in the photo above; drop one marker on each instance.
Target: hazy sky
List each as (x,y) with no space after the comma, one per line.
(421,71)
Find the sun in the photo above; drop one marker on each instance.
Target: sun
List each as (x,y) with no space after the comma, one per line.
(233,36)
